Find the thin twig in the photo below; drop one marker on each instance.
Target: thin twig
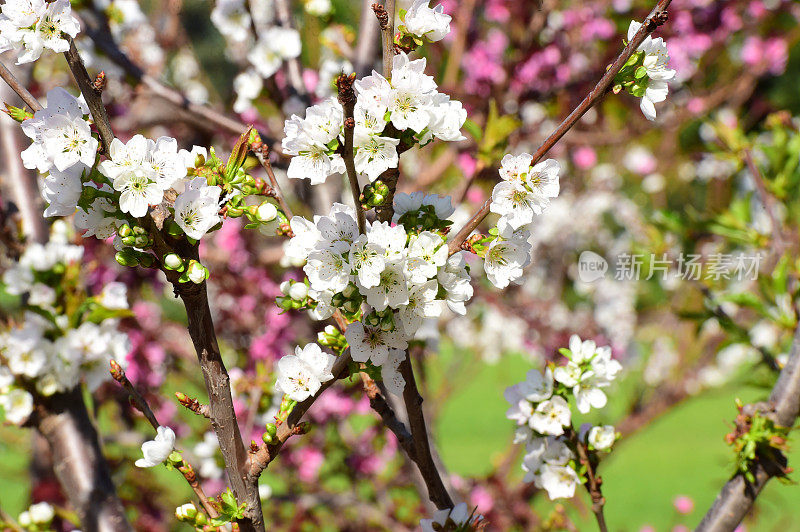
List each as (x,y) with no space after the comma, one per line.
(140,403)
(261,152)
(266,453)
(90,94)
(23,93)
(656,17)
(210,118)
(347,98)
(386,22)
(593,482)
(365,44)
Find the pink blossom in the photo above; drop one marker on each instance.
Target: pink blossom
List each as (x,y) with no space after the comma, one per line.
(683,504)
(584,157)
(309,460)
(467,163)
(482,499)
(475,195)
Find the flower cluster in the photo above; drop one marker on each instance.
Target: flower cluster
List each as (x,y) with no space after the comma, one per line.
(113,195)
(301,375)
(62,339)
(524,191)
(403,273)
(404,111)
(540,408)
(646,75)
(38,516)
(33,25)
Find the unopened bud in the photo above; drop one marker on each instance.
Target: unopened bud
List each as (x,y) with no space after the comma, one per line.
(266,212)
(298,291)
(172,261)
(186,512)
(196,272)
(285,286)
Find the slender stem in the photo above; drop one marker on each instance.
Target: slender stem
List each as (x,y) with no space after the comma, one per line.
(207,117)
(347,98)
(656,17)
(23,93)
(90,94)
(416,420)
(593,482)
(387,39)
(141,404)
(738,495)
(262,154)
(265,454)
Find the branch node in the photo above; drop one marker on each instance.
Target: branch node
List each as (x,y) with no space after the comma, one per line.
(383,16)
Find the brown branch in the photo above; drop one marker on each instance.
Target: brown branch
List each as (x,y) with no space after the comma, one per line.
(379,404)
(215,375)
(738,495)
(593,482)
(138,400)
(23,93)
(140,403)
(424,459)
(385,14)
(90,94)
(207,117)
(347,98)
(656,17)
(261,152)
(78,462)
(266,453)
(193,405)
(223,416)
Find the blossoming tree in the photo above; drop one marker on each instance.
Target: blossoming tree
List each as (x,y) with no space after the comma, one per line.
(373,262)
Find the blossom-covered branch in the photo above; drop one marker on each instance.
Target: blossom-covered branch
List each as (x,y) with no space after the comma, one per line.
(657,17)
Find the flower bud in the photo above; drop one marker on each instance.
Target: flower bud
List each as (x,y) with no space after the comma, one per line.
(285,286)
(124,230)
(338,299)
(298,291)
(196,272)
(126,257)
(266,212)
(186,512)
(331,330)
(348,291)
(351,306)
(172,261)
(272,429)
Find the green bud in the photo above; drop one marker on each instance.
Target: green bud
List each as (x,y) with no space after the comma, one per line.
(129,240)
(268,439)
(272,429)
(126,258)
(338,299)
(373,320)
(124,230)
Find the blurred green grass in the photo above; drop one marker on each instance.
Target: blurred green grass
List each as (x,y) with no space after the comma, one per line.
(681,453)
